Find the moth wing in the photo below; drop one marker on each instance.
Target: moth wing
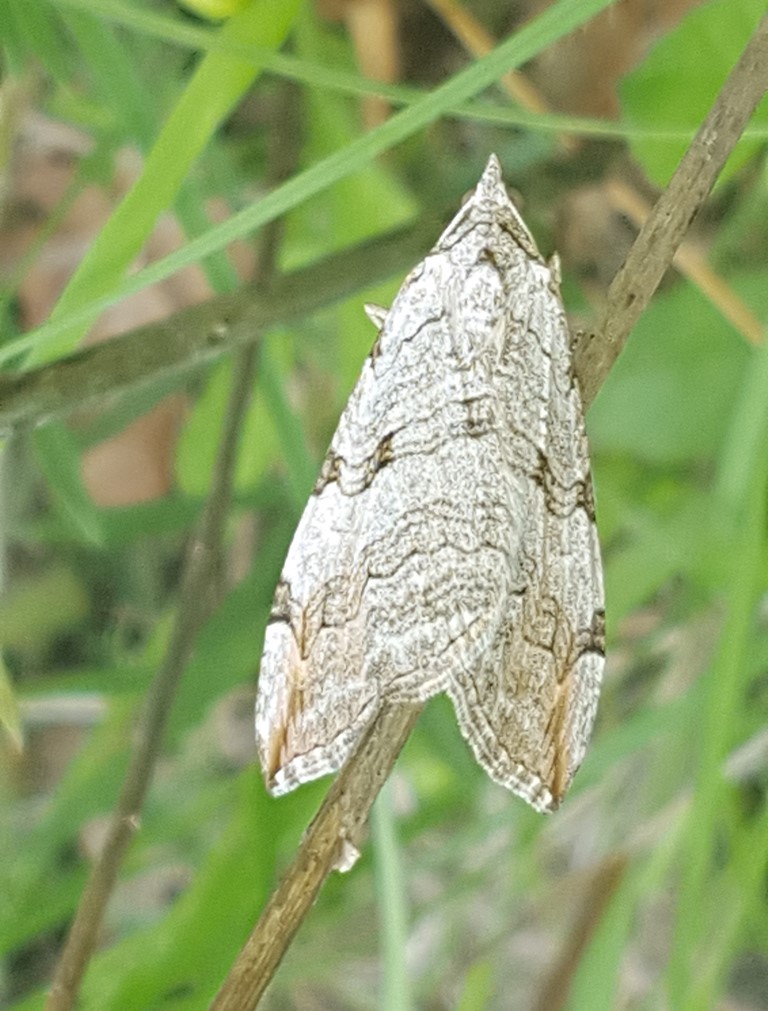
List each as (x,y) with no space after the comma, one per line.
(398,577)
(312,703)
(314,699)
(528,706)
(392,583)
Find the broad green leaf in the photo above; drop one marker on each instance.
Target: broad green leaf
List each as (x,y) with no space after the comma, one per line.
(668,397)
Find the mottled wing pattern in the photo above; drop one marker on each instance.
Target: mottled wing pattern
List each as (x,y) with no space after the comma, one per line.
(449,543)
(528,706)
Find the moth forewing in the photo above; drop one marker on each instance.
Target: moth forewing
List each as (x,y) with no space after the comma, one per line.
(449,543)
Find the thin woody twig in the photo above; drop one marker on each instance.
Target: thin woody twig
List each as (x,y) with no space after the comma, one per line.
(343,812)
(200,333)
(663,231)
(198,576)
(339,823)
(605,880)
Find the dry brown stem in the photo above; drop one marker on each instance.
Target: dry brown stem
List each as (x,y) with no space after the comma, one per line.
(339,823)
(197,335)
(663,231)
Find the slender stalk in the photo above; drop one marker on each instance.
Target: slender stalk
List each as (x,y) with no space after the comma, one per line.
(199,572)
(338,826)
(653,249)
(197,335)
(391,901)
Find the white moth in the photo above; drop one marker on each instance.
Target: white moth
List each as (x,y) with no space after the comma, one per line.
(449,544)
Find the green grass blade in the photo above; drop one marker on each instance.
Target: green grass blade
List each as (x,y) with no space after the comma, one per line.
(393,918)
(317,75)
(741,489)
(10,717)
(216,86)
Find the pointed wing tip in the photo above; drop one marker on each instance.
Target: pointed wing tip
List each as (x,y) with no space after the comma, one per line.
(491,195)
(542,799)
(275,779)
(274,787)
(551,804)
(284,769)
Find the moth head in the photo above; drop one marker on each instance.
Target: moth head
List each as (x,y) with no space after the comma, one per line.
(489,201)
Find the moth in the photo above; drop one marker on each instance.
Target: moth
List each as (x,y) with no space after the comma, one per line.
(449,544)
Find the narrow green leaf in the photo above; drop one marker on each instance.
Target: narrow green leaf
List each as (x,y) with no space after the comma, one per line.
(216,86)
(34,30)
(742,490)
(10,716)
(393,918)
(347,82)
